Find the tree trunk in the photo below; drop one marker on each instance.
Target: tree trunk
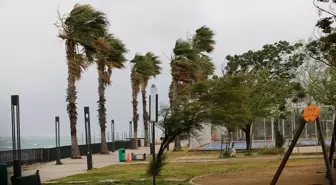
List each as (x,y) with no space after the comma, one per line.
(135,139)
(248,137)
(135,90)
(104,148)
(173,93)
(102,109)
(177,144)
(145,113)
(71,99)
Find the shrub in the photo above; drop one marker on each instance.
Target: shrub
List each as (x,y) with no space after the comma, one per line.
(248,153)
(159,164)
(271,151)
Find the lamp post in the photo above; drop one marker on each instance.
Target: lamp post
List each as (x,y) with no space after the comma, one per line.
(153,117)
(130,130)
(58,141)
(88,138)
(16,135)
(112,136)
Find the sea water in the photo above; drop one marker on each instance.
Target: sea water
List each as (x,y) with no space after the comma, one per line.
(28,142)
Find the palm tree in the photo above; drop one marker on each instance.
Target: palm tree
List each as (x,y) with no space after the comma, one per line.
(144,67)
(79,29)
(153,70)
(190,64)
(137,67)
(109,55)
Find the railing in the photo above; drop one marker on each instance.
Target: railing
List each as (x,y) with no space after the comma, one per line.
(42,155)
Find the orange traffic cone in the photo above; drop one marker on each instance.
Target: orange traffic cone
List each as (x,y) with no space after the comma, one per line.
(128,157)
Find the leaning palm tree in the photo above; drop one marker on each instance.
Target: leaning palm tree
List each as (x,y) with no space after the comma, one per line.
(79,29)
(190,64)
(153,69)
(141,68)
(109,55)
(135,85)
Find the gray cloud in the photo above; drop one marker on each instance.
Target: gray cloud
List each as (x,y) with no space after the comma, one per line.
(33,61)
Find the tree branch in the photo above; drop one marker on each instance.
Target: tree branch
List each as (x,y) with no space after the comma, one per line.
(326,11)
(166,56)
(319,59)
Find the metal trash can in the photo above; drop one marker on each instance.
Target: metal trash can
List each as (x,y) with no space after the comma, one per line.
(3,174)
(122,155)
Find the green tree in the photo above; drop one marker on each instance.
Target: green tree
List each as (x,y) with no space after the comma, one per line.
(212,103)
(322,46)
(182,118)
(322,87)
(189,64)
(109,55)
(271,70)
(79,29)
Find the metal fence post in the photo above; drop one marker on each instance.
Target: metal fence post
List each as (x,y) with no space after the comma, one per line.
(88,138)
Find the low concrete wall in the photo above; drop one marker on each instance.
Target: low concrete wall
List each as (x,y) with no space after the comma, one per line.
(307,150)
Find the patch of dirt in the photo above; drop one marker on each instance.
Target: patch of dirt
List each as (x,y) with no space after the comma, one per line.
(291,175)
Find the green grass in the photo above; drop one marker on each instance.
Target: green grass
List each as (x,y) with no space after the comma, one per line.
(127,173)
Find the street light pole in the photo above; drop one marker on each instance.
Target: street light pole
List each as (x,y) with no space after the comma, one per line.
(153,117)
(112,136)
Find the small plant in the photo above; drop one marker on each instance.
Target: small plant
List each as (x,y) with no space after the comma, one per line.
(159,164)
(279,139)
(271,151)
(248,153)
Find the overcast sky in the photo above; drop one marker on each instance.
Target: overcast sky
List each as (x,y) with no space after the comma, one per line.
(33,61)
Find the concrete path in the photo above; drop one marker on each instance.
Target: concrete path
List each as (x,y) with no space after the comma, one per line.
(49,171)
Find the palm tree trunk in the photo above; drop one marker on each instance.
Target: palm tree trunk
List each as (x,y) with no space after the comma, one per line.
(135,114)
(145,113)
(102,109)
(71,100)
(173,95)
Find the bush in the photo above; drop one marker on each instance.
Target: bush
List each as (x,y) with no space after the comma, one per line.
(159,164)
(279,139)
(271,151)
(248,153)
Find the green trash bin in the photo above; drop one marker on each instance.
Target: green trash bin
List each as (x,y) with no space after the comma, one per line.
(3,174)
(122,155)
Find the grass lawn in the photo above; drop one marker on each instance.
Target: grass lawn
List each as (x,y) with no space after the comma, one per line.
(128,173)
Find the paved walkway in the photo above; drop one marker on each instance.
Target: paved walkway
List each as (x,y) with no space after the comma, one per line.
(49,171)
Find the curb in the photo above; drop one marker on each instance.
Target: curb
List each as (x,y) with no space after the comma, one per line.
(194,183)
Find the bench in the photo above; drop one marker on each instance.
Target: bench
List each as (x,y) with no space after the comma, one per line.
(138,157)
(29,179)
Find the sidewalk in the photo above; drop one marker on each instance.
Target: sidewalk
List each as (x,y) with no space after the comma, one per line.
(49,171)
